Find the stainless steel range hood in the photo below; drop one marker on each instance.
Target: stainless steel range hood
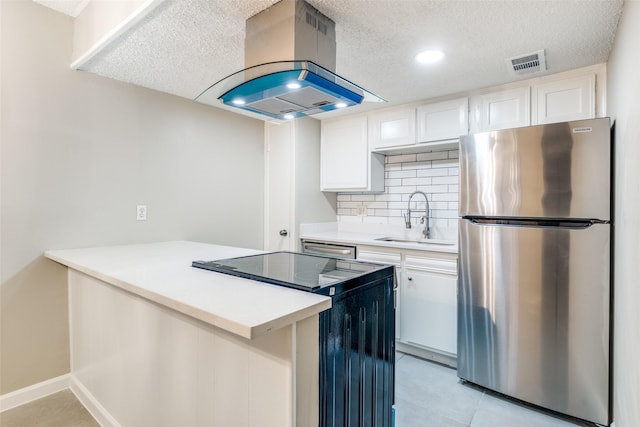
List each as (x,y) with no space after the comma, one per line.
(290,55)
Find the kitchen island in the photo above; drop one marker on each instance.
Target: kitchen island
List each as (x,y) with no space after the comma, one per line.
(157,342)
(426,311)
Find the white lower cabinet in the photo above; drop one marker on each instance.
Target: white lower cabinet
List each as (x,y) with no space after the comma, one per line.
(384,257)
(426,300)
(429,304)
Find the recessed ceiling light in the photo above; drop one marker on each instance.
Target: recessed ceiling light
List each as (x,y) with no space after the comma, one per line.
(429,56)
(341,105)
(293,85)
(238,101)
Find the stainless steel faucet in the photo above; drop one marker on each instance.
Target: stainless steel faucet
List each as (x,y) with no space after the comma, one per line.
(426,232)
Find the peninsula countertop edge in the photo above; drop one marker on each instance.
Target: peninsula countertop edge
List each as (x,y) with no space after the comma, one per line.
(162,273)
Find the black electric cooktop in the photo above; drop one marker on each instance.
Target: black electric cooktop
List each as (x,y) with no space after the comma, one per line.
(295,270)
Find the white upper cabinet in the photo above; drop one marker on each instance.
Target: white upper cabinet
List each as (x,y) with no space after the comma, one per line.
(564,100)
(346,164)
(443,120)
(392,128)
(500,110)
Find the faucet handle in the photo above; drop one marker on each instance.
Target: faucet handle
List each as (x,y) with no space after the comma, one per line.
(407,218)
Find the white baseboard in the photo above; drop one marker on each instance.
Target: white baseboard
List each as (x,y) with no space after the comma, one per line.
(101,415)
(33,392)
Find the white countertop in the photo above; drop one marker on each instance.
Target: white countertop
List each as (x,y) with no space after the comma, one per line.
(162,273)
(369,239)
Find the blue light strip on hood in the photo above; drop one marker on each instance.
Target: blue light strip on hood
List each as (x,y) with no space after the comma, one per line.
(263,89)
(275,85)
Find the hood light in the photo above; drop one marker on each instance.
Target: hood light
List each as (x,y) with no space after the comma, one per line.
(429,56)
(288,116)
(266,89)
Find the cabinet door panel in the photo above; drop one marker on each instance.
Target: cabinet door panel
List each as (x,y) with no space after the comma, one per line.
(344,154)
(565,100)
(392,128)
(429,311)
(394,258)
(501,110)
(443,120)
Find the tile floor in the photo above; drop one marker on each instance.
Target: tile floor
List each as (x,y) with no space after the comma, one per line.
(431,395)
(60,409)
(427,395)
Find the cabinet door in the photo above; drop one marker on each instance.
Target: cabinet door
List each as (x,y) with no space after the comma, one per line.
(564,100)
(344,153)
(393,258)
(279,187)
(443,120)
(500,110)
(392,128)
(429,305)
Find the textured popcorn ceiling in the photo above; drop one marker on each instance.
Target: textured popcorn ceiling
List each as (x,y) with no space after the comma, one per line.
(184,46)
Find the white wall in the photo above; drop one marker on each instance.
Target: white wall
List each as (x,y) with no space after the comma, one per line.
(624,108)
(78,153)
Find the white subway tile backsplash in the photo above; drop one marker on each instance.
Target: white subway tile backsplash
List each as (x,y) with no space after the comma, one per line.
(402,173)
(416,181)
(362,197)
(436,155)
(433,172)
(401,189)
(434,188)
(436,174)
(400,158)
(448,163)
(377,205)
(416,165)
(387,197)
(438,205)
(353,205)
(446,197)
(444,180)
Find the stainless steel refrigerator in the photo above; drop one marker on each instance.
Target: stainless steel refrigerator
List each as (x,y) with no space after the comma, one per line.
(534,267)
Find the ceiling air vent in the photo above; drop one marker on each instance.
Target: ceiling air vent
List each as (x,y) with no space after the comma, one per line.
(526,64)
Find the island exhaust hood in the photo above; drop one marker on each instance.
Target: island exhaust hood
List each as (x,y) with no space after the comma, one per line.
(290,60)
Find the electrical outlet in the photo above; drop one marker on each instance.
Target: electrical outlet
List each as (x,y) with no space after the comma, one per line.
(141,212)
(362,210)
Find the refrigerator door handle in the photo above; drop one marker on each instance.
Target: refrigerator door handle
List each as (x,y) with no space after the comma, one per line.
(572,225)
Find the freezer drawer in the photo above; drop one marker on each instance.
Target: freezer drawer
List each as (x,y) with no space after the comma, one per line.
(533,314)
(560,170)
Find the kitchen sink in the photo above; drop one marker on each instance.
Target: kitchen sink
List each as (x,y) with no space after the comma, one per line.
(422,241)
